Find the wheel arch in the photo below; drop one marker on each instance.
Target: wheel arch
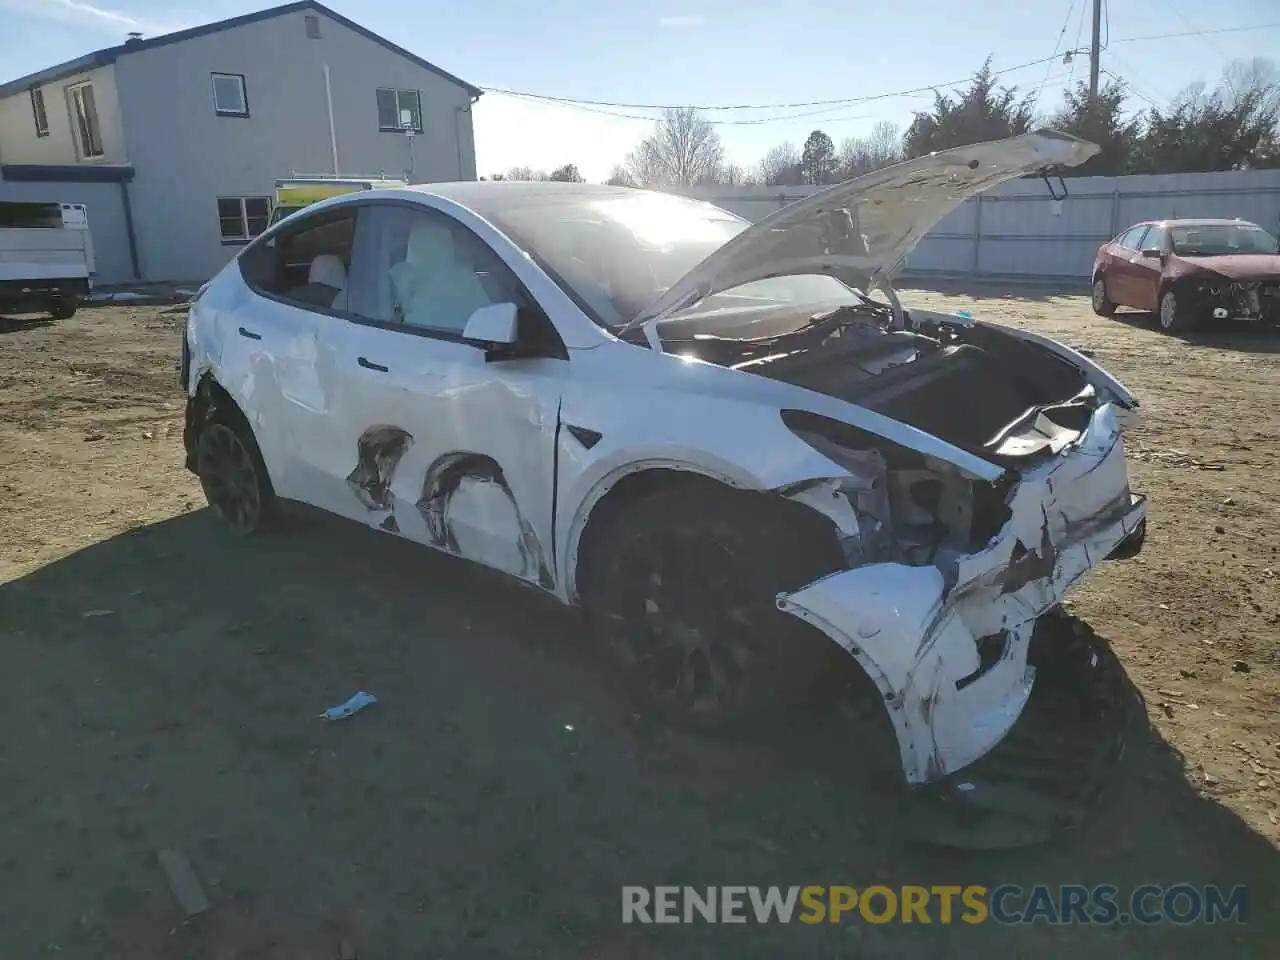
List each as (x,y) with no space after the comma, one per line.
(613,494)
(211,401)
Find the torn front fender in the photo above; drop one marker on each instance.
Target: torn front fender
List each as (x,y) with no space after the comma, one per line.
(946,644)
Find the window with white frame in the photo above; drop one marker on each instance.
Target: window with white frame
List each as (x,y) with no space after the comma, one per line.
(84,117)
(39,113)
(399,110)
(229,99)
(242,218)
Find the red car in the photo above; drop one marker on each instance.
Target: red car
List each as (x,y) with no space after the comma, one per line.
(1190,271)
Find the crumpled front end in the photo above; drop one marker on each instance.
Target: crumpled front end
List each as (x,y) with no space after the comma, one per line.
(946,642)
(1222,298)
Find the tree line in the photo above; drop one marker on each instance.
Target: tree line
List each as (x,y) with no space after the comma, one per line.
(1234,125)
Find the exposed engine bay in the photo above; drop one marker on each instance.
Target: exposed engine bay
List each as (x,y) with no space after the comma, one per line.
(1010,402)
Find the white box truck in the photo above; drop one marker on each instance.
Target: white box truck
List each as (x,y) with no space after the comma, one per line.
(46,258)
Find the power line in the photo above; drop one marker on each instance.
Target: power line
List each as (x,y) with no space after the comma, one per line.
(1197,33)
(1150,94)
(841,101)
(1192,25)
(845,101)
(1057,45)
(1129,85)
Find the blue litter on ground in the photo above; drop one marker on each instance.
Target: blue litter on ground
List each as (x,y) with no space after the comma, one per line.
(357,703)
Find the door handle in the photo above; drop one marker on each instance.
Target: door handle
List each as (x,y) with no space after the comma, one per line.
(250,334)
(370,365)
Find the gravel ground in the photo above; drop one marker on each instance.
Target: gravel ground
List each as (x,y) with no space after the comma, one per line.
(161,685)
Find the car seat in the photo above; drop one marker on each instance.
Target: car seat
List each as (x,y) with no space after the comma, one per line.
(434,286)
(327,281)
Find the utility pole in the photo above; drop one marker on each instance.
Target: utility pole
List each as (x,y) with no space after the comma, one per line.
(1095,50)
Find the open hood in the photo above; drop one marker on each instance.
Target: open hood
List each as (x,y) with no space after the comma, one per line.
(861,231)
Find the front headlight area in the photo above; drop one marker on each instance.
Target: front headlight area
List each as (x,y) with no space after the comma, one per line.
(896,505)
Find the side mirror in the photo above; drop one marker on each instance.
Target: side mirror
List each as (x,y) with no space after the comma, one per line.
(1153,253)
(494,326)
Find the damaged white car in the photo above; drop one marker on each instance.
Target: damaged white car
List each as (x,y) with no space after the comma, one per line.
(708,434)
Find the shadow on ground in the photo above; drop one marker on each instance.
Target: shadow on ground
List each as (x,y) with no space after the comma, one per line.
(16,323)
(995,289)
(1235,336)
(162,689)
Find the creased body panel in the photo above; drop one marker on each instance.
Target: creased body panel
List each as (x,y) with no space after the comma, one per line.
(947,644)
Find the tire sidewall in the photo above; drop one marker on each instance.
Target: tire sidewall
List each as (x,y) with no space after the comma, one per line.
(264,493)
(776,638)
(1176,317)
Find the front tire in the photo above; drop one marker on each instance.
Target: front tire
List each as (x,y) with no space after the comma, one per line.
(1102,304)
(232,477)
(1174,315)
(683,591)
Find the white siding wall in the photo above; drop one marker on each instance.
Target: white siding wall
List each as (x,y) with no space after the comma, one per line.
(1017,232)
(18,140)
(186,156)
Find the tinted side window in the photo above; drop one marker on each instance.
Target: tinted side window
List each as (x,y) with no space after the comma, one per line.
(1155,237)
(1132,237)
(308,264)
(423,269)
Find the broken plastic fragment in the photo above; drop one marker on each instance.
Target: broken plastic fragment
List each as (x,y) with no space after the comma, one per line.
(357,702)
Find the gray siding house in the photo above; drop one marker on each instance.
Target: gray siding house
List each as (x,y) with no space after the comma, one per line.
(175,142)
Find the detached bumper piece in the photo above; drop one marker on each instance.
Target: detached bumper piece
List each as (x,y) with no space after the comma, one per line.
(1130,546)
(1050,772)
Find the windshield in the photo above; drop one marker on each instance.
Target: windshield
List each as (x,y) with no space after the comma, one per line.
(615,254)
(1221,239)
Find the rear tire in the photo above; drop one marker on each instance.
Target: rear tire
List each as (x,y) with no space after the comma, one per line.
(64,309)
(682,590)
(1101,302)
(233,477)
(1174,316)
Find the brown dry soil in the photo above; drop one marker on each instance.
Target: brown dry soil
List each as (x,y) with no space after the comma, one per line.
(160,685)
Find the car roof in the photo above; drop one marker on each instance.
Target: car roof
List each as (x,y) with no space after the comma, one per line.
(1204,222)
(489,198)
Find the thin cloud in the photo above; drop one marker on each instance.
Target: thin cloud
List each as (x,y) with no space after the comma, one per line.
(81,14)
(687,20)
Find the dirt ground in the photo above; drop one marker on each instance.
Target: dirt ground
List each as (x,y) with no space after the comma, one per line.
(161,685)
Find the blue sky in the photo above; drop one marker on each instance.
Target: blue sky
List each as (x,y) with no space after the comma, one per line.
(706,52)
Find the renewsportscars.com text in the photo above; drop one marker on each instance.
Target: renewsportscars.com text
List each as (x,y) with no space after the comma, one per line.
(1104,904)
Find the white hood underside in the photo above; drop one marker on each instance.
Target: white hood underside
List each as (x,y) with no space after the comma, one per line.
(862,230)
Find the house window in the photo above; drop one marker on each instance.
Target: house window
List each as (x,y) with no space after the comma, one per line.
(313,27)
(394,105)
(38,111)
(84,113)
(242,218)
(229,98)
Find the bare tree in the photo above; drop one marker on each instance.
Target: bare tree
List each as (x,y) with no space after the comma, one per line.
(880,148)
(781,165)
(683,150)
(619,177)
(526,173)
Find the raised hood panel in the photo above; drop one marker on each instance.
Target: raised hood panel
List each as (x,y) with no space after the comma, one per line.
(864,228)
